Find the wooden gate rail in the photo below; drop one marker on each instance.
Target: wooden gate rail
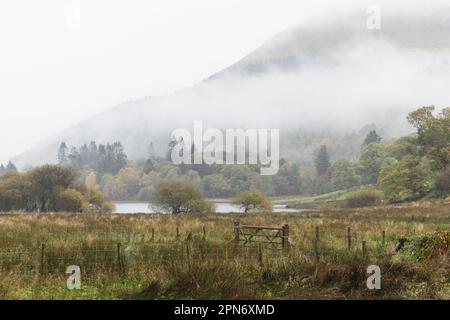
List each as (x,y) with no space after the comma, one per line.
(248,234)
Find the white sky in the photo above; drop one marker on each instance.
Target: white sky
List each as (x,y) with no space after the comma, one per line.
(56,69)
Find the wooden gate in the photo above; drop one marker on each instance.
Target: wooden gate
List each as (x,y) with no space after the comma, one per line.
(276,237)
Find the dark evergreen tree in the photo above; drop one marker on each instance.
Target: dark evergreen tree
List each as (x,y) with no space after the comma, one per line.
(148,166)
(372,137)
(322,161)
(151,151)
(62,154)
(10,167)
(92,153)
(74,157)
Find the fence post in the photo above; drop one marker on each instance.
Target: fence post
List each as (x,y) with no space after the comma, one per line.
(189,258)
(317,244)
(204,233)
(383,240)
(42,258)
(119,259)
(349,238)
(236,232)
(260,255)
(178,233)
(364,249)
(285,235)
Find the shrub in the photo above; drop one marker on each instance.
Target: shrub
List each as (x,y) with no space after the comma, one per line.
(69,200)
(363,198)
(180,197)
(426,246)
(253,200)
(201,206)
(97,202)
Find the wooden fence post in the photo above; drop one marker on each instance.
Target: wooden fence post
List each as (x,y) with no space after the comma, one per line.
(383,240)
(364,249)
(349,238)
(204,233)
(260,255)
(42,258)
(119,259)
(285,235)
(178,233)
(189,258)
(236,232)
(317,244)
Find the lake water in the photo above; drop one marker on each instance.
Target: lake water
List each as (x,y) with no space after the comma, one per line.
(221,207)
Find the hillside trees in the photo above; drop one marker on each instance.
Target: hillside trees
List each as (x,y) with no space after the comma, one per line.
(371,161)
(109,158)
(10,168)
(106,166)
(322,161)
(405,180)
(372,137)
(433,134)
(345,174)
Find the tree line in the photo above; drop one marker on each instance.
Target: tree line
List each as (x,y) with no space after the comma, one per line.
(404,169)
(104,158)
(49,188)
(10,167)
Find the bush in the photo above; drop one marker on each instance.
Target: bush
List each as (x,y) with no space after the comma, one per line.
(180,197)
(201,206)
(69,200)
(421,247)
(363,198)
(98,203)
(253,200)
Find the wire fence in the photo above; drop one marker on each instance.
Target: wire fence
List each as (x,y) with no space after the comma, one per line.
(117,258)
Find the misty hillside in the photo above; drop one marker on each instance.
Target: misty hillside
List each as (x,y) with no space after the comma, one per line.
(334,77)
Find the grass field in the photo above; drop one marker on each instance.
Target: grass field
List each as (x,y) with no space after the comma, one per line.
(323,201)
(140,257)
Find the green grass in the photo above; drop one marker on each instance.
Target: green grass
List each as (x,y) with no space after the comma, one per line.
(322,201)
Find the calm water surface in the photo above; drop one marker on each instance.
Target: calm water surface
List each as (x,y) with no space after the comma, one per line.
(221,207)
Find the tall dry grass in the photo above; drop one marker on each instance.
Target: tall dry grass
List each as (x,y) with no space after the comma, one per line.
(157,265)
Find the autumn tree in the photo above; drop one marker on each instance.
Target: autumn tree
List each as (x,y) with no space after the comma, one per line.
(345,174)
(433,134)
(405,180)
(180,197)
(371,161)
(253,199)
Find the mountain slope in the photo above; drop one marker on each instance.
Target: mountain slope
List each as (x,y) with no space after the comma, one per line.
(336,76)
